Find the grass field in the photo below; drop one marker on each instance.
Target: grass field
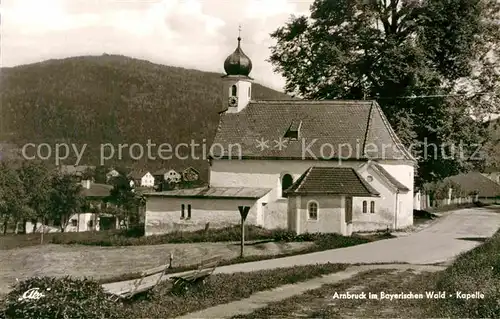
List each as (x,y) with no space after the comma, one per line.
(105,262)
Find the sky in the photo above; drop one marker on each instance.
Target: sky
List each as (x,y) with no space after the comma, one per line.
(197,34)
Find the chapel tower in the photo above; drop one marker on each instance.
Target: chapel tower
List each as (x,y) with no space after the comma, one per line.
(237,85)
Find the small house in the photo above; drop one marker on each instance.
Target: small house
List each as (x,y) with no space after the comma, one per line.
(172,176)
(167,175)
(142,178)
(321,200)
(97,194)
(190,175)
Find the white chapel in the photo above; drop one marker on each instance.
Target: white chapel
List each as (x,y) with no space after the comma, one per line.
(333,166)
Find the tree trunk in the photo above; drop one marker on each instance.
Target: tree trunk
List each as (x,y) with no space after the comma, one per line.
(34,221)
(62,224)
(5,223)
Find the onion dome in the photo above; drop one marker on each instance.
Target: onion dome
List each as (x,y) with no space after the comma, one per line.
(238,63)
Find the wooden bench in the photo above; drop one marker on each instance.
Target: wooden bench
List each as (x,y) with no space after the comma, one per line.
(182,283)
(136,285)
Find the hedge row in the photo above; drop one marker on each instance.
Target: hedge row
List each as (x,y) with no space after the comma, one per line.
(133,238)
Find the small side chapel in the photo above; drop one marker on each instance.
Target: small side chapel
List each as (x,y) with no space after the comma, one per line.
(332,166)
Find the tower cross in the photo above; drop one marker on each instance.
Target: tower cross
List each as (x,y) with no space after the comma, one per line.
(239,31)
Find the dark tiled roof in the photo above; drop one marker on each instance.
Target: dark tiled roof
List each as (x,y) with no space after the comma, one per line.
(137,174)
(389,177)
(191,169)
(331,181)
(356,129)
(97,190)
(215,192)
(476,182)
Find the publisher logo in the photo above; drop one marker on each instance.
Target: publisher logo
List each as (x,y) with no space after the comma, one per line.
(32,294)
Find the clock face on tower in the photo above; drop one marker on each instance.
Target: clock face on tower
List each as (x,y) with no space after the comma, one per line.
(233,101)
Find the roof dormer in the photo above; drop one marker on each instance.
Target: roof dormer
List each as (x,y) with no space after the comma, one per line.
(293,132)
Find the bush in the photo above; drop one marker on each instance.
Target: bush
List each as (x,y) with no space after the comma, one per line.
(63,298)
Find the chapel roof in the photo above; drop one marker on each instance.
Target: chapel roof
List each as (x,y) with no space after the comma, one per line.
(342,181)
(354,129)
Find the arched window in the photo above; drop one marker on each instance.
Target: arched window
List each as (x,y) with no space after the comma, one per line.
(364,207)
(249,94)
(286,182)
(312,209)
(372,207)
(234,90)
(182,211)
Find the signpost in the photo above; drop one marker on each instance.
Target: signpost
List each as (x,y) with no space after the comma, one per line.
(243,212)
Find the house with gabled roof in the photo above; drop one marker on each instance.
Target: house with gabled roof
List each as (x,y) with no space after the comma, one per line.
(167,175)
(142,178)
(190,174)
(97,195)
(330,188)
(477,185)
(263,147)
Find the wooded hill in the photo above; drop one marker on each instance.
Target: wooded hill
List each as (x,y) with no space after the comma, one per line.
(113,99)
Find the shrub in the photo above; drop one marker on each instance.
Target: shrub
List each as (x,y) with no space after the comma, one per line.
(283,235)
(62,298)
